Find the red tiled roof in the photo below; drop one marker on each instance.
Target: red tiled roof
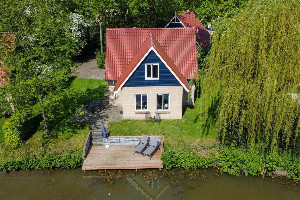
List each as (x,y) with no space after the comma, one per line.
(123,45)
(188,18)
(150,42)
(7,42)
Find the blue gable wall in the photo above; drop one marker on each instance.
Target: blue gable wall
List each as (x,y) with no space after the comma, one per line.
(166,78)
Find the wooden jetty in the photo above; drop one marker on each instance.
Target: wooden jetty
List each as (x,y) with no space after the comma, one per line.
(119,155)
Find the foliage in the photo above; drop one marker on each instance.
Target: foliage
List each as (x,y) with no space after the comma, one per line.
(255,59)
(60,109)
(44,48)
(19,127)
(41,151)
(209,11)
(67,160)
(100,58)
(236,161)
(202,55)
(2,121)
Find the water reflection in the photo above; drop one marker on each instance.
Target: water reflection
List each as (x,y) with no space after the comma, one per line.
(150,185)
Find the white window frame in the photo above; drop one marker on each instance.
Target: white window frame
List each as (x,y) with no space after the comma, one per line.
(179,22)
(162,102)
(141,110)
(151,78)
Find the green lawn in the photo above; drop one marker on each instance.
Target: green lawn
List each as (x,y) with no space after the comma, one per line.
(195,130)
(59,140)
(82,85)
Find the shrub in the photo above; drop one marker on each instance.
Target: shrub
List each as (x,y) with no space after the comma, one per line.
(67,160)
(100,58)
(19,127)
(236,161)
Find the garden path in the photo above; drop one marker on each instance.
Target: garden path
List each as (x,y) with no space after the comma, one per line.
(90,70)
(97,113)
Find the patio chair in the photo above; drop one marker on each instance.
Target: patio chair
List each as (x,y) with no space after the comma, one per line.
(148,117)
(142,144)
(157,117)
(152,148)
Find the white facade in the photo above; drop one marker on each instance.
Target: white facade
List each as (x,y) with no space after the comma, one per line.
(126,99)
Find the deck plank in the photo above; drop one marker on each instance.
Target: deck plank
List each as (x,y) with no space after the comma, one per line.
(120,157)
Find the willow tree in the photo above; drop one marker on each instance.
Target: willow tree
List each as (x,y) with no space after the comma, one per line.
(255,57)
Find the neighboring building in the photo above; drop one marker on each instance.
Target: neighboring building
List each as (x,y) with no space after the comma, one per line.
(7,41)
(188,19)
(150,69)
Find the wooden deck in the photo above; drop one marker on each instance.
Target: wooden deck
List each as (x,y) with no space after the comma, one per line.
(120,157)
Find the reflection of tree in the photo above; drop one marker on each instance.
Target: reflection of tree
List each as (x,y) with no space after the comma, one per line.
(144,192)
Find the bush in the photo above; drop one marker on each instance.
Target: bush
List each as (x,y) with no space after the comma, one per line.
(100,58)
(67,160)
(236,161)
(19,127)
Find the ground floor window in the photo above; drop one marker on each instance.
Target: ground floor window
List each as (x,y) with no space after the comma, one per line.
(163,101)
(141,102)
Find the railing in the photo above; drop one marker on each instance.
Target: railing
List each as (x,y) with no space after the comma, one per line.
(87,145)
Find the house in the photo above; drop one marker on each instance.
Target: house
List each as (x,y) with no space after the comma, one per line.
(188,19)
(7,41)
(150,69)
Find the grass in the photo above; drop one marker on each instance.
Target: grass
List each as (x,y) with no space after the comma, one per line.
(196,130)
(82,85)
(59,140)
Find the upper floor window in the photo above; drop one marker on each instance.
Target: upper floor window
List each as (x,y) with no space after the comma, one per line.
(152,71)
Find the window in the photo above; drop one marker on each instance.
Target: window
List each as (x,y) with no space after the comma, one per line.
(141,102)
(163,102)
(175,20)
(151,72)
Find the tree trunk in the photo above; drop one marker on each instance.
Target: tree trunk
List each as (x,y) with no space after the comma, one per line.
(101,46)
(44,118)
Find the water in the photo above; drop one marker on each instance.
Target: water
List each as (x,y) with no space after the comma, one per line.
(208,185)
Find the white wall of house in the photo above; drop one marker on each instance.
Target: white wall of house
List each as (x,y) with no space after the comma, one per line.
(125,98)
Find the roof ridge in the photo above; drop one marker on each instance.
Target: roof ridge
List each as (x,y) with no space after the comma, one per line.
(188,28)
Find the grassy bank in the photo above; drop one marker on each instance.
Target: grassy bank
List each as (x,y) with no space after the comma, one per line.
(62,147)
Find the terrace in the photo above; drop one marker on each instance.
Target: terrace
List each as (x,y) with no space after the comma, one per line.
(119,154)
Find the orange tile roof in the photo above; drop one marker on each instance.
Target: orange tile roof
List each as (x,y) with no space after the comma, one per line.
(7,41)
(123,45)
(188,18)
(151,42)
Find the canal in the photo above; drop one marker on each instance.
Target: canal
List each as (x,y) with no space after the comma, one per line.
(152,184)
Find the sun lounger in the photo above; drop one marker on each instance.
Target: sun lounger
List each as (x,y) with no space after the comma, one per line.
(152,148)
(142,144)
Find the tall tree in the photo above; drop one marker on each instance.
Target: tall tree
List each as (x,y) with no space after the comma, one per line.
(44,47)
(255,58)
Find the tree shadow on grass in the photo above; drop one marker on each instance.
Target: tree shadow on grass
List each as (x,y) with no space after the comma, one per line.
(30,127)
(212,115)
(61,109)
(69,105)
